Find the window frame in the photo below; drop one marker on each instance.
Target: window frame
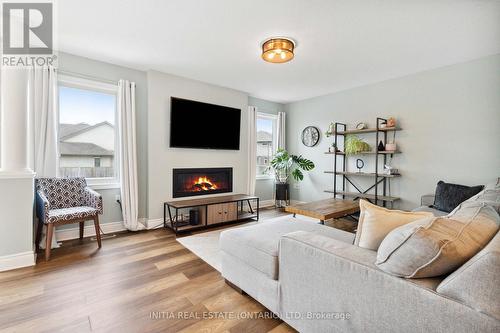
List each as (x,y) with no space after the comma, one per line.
(98,183)
(274,118)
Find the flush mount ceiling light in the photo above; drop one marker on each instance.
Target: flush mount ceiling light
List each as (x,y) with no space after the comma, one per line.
(278,50)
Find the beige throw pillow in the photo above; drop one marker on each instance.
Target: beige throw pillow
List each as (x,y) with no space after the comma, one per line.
(376,222)
(438,245)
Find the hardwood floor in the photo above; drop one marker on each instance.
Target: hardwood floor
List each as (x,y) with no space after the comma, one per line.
(137,282)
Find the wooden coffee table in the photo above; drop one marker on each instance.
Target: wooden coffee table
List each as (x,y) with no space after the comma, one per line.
(325,209)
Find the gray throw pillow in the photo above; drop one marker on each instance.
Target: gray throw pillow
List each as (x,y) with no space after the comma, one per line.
(438,245)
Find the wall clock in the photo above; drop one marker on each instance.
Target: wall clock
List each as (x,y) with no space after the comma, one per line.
(310,136)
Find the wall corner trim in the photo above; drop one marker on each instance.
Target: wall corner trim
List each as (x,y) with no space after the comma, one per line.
(17,260)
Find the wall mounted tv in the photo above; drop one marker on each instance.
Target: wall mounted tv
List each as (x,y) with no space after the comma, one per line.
(203,126)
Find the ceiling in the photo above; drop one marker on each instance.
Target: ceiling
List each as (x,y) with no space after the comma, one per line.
(341,44)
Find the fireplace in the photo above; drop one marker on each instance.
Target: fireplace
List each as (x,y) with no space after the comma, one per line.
(202,181)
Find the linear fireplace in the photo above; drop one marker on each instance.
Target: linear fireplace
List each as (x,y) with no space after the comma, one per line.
(202,181)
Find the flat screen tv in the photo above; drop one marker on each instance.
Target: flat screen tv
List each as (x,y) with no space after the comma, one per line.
(203,126)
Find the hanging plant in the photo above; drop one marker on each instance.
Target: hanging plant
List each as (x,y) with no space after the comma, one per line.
(354,145)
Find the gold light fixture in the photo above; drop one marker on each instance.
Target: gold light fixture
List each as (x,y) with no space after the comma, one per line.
(278,50)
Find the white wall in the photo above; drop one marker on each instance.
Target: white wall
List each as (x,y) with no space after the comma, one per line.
(163,158)
(16,227)
(451,122)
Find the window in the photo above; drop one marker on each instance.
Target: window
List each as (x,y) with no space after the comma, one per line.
(266,143)
(87,131)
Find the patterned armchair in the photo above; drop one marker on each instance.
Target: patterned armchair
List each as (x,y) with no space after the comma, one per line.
(63,201)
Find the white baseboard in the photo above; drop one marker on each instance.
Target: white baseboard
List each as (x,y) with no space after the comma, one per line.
(155,224)
(88,231)
(266,203)
(18,260)
(269,203)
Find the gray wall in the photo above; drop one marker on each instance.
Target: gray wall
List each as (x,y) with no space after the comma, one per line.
(450,117)
(163,158)
(98,69)
(264,187)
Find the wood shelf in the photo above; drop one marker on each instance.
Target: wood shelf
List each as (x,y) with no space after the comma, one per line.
(190,227)
(365,195)
(362,174)
(366,130)
(246,215)
(367,153)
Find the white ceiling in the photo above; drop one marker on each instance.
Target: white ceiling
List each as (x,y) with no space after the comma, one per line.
(341,44)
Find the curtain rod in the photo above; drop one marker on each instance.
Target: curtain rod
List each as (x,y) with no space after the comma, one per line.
(88,77)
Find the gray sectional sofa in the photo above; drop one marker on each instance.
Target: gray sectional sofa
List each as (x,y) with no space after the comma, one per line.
(317,281)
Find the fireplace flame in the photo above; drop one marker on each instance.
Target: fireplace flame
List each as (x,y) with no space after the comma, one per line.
(204,184)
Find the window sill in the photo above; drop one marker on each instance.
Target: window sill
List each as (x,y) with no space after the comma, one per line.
(102,185)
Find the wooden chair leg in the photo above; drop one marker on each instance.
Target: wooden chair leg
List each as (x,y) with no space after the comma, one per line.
(38,235)
(48,243)
(82,225)
(97,230)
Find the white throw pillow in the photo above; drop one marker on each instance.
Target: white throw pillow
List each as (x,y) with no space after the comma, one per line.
(376,222)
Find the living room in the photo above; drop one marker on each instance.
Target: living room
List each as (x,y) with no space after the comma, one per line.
(177,166)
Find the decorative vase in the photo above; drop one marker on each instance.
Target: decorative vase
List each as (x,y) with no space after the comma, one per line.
(391,122)
(381,146)
(391,146)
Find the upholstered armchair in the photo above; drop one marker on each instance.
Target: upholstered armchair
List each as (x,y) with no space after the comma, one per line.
(64,201)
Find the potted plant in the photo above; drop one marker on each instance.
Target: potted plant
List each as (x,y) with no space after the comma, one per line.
(285,165)
(354,145)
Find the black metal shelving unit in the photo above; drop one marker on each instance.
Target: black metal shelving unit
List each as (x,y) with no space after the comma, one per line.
(380,179)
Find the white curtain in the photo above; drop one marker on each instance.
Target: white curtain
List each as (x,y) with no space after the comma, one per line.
(43,120)
(252,149)
(281,130)
(128,155)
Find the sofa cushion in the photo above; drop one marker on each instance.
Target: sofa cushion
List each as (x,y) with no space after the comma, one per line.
(436,246)
(257,245)
(449,196)
(62,192)
(489,196)
(433,211)
(477,282)
(67,214)
(376,222)
(494,185)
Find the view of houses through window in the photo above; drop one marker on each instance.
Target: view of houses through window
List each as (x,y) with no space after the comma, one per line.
(266,142)
(86,133)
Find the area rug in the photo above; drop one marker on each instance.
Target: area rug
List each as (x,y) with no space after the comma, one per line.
(206,245)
